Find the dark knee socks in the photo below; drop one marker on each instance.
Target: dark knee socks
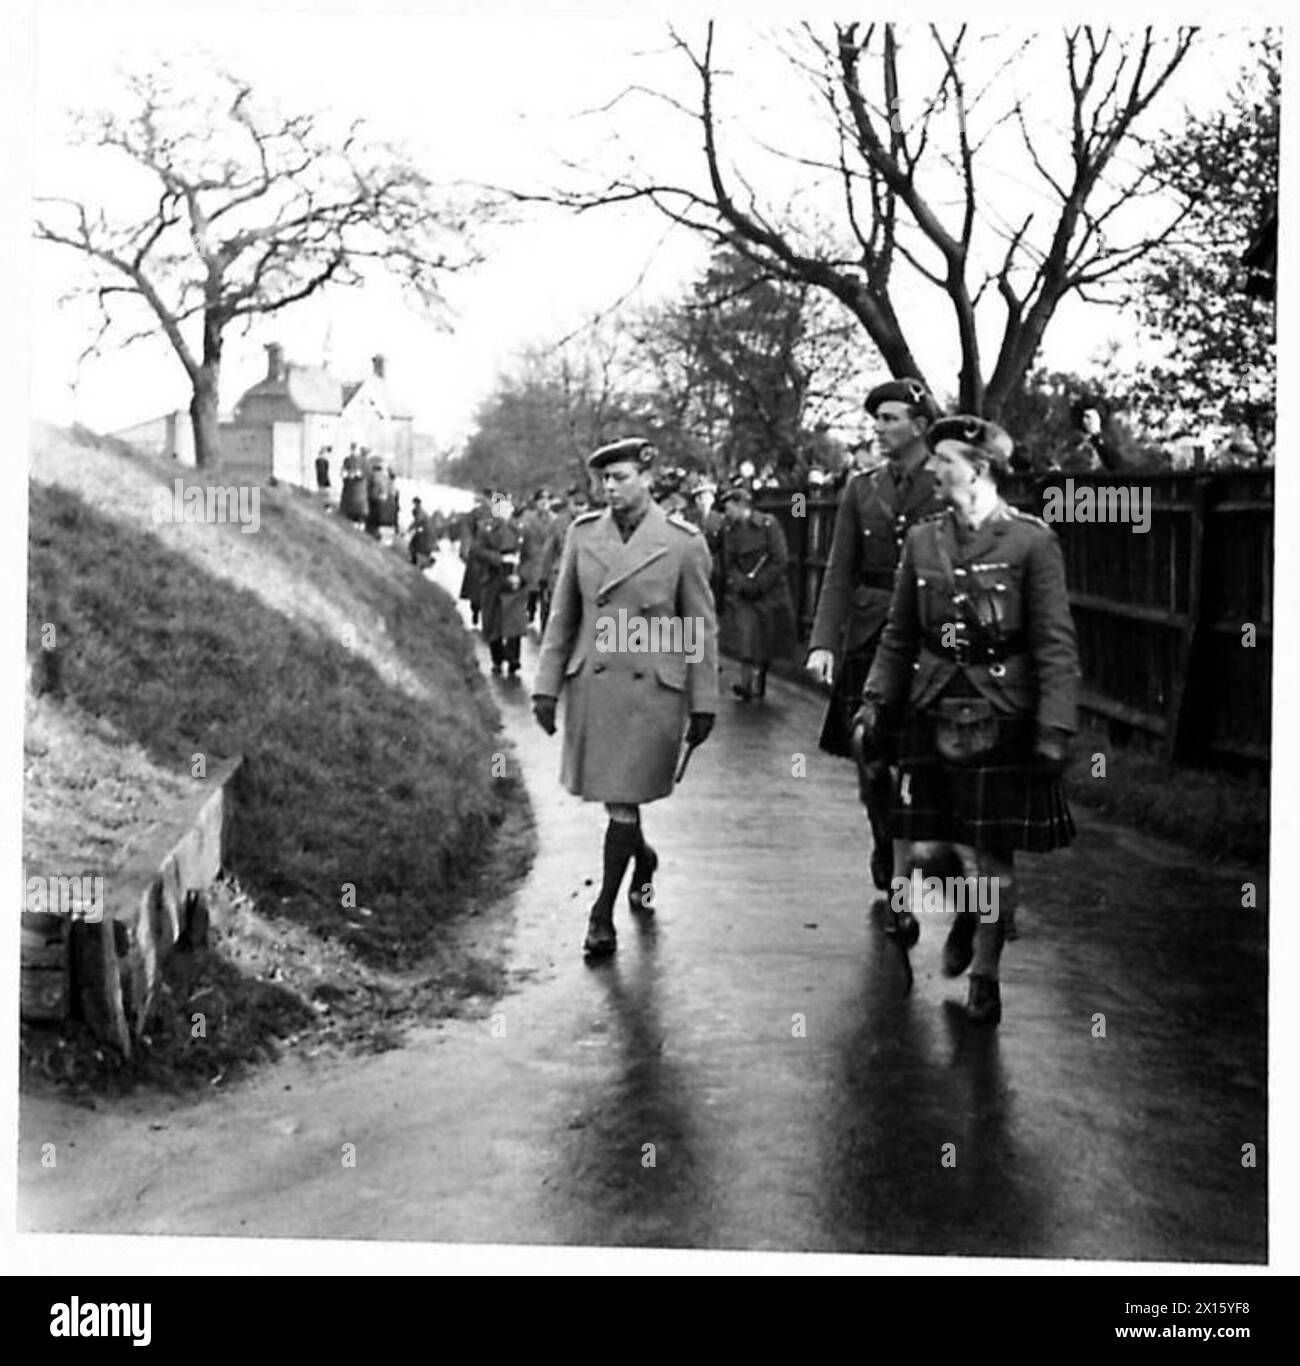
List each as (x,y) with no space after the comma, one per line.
(621,839)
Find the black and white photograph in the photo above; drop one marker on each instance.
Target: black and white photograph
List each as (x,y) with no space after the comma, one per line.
(648,635)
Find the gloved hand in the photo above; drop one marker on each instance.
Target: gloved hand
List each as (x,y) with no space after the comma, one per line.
(700,727)
(1052,748)
(544,711)
(870,728)
(749,590)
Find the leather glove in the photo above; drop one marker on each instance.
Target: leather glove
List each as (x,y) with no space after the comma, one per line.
(700,728)
(1052,748)
(871,724)
(544,711)
(749,590)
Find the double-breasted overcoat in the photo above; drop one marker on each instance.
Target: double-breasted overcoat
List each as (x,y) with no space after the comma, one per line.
(631,644)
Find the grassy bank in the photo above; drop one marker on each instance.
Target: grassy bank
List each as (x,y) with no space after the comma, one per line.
(369,821)
(1224,817)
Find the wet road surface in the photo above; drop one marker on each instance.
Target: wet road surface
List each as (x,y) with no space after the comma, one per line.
(757,1067)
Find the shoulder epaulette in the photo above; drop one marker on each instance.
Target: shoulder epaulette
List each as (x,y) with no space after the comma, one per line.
(586,516)
(1028,517)
(680,522)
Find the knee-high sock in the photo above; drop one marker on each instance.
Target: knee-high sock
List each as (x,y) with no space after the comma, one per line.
(645,855)
(990,933)
(620,846)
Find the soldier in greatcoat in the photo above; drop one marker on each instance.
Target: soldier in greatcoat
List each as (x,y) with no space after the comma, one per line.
(638,691)
(757,610)
(503,596)
(975,682)
(875,512)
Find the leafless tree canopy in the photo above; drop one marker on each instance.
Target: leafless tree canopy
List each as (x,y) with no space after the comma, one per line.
(905,159)
(241,212)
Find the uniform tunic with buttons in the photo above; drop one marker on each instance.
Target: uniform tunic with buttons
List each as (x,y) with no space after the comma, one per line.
(980,614)
(626,710)
(874,516)
(757,629)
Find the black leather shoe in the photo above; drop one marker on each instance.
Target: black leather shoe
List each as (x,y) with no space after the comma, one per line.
(741,692)
(959,947)
(984,1004)
(601,940)
(640,895)
(904,927)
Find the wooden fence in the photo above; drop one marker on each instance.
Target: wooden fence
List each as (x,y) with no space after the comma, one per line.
(1162,615)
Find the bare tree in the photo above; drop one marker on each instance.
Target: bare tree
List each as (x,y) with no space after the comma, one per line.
(237,212)
(906,156)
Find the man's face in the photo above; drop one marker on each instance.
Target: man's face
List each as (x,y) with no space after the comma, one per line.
(627,488)
(896,428)
(955,472)
(704,501)
(735,509)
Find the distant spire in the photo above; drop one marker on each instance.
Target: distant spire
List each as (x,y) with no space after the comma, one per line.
(327,346)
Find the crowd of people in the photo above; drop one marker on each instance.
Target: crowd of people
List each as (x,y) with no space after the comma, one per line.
(942,636)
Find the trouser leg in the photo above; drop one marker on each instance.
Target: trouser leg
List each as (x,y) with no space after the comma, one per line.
(875,790)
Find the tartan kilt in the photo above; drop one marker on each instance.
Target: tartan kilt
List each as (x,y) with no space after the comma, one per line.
(1004,801)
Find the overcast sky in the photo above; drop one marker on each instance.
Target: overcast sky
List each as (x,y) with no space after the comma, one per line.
(499,98)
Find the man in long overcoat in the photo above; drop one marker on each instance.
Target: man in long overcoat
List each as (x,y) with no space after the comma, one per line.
(632,643)
(503,595)
(758,616)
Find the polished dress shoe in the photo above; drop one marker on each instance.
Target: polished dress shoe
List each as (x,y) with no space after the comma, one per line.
(984,1004)
(601,940)
(959,947)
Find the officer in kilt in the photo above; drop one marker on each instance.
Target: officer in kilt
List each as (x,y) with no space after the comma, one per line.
(757,610)
(974,689)
(875,512)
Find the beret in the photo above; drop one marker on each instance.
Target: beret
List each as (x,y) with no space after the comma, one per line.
(900,391)
(738,491)
(989,440)
(634,448)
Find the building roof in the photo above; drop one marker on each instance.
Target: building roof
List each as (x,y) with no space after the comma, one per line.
(303,387)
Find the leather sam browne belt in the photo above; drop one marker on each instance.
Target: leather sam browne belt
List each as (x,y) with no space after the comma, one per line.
(991,652)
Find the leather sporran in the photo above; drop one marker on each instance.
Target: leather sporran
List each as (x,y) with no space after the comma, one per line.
(966,729)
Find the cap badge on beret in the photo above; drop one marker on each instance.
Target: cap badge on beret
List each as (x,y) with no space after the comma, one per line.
(987,438)
(634,448)
(904,390)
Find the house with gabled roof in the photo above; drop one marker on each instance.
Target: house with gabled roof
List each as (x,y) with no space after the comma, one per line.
(297,412)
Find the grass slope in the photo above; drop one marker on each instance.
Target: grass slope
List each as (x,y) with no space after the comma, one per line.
(369,814)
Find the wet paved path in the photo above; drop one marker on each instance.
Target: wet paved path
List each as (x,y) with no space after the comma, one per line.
(767,1134)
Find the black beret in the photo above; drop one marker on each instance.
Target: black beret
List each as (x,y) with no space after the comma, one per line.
(900,391)
(989,440)
(634,448)
(738,491)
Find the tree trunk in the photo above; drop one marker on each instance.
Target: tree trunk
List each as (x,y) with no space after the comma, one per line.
(204,404)
(203,418)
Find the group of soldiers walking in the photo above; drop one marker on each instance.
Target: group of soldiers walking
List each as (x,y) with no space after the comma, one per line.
(942,634)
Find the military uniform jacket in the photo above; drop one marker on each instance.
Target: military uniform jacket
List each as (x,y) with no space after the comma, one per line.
(625,709)
(1009,573)
(873,517)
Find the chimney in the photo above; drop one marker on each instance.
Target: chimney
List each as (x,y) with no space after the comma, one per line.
(274,361)
(378,363)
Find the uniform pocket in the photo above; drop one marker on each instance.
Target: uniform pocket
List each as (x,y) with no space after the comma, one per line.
(672,673)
